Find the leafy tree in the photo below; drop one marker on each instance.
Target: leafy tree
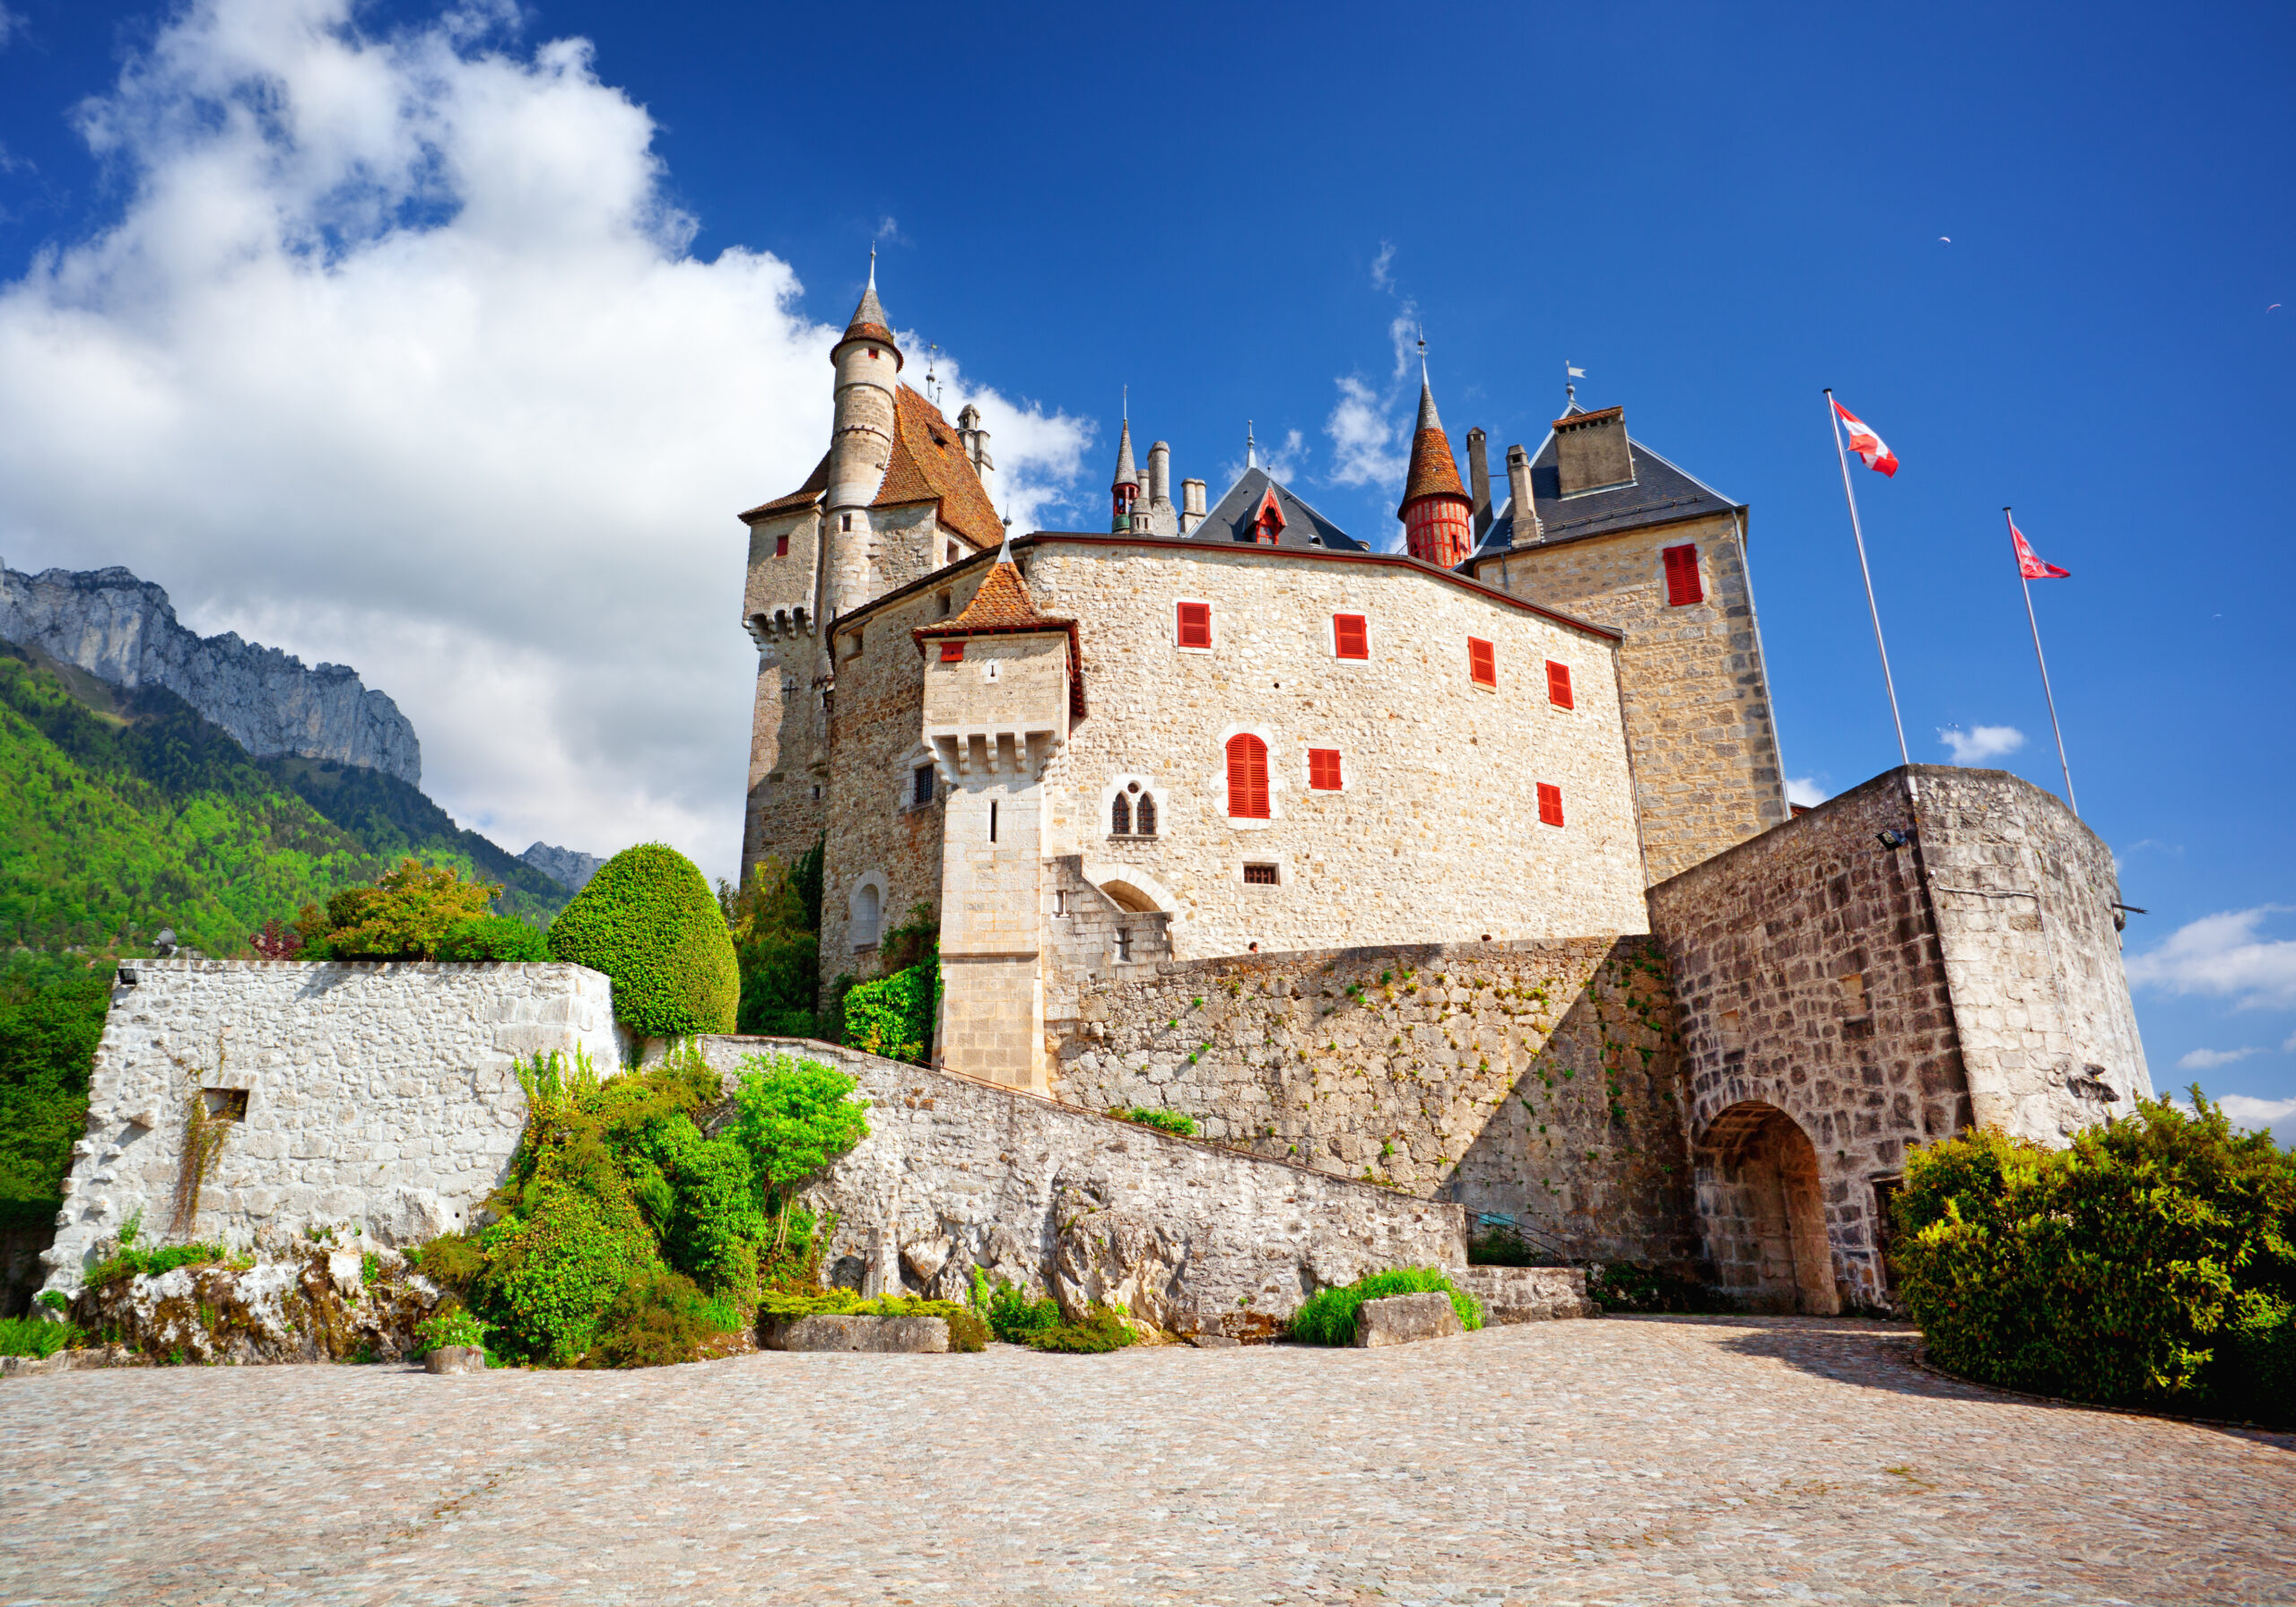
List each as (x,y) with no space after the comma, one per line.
(793,1118)
(649,921)
(405,916)
(52,1011)
(776,948)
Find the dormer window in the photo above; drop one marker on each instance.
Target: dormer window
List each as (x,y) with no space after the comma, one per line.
(1267,523)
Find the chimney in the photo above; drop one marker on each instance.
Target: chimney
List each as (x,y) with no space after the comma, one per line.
(974,442)
(1191,505)
(1591,453)
(1160,475)
(1518,486)
(1479,481)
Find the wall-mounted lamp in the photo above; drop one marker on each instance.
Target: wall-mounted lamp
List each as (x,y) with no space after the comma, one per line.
(1896,840)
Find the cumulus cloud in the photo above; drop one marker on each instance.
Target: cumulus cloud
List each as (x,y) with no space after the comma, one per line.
(1368,448)
(10,21)
(2276,1116)
(1980,743)
(396,356)
(2223,956)
(1805,791)
(2208,1060)
(1383,266)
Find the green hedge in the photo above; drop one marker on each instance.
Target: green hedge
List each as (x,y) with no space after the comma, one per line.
(893,1016)
(1327,1316)
(494,937)
(649,921)
(2152,1263)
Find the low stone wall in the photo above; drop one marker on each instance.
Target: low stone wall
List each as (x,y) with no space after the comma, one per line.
(374,1095)
(1196,1238)
(1538,1082)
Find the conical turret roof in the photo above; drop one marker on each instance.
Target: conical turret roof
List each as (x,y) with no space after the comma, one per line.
(869,322)
(1433,473)
(1126,473)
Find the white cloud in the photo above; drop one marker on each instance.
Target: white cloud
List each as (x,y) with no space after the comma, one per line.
(2222,956)
(2276,1116)
(10,21)
(1981,743)
(396,356)
(2208,1060)
(1403,334)
(1367,448)
(1383,264)
(1805,791)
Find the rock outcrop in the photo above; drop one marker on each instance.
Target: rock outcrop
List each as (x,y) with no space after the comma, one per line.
(569,867)
(124,630)
(294,1302)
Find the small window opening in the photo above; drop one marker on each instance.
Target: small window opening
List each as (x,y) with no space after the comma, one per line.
(1351,636)
(992,667)
(226,1104)
(817,792)
(953,558)
(1322,770)
(1683,587)
(781,546)
(1247,777)
(845,521)
(1059,901)
(921,784)
(1482,662)
(1259,876)
(992,819)
(1144,816)
(857,645)
(1550,804)
(953,652)
(1120,816)
(1558,685)
(1195,624)
(867,905)
(1124,945)
(945,606)
(1853,994)
(1733,1032)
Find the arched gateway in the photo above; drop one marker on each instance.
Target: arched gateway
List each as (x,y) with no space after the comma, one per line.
(1765,1214)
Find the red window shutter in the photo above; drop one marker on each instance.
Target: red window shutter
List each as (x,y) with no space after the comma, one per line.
(1558,685)
(1482,662)
(1247,777)
(1351,636)
(1195,624)
(953,652)
(1683,586)
(1322,770)
(781,546)
(1550,805)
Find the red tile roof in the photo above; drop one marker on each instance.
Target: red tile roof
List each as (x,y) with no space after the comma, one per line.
(1433,473)
(1002,607)
(805,496)
(1569,419)
(929,465)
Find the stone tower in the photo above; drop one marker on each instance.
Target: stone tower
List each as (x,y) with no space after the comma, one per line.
(861,446)
(1436,514)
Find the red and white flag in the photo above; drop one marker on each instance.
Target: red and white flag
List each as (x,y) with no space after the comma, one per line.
(1866,444)
(2029,563)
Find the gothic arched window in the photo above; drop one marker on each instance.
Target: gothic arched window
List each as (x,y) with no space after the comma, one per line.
(1120,816)
(1143,817)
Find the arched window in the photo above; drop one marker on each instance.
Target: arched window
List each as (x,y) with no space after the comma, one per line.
(1247,777)
(1143,817)
(867,905)
(1120,816)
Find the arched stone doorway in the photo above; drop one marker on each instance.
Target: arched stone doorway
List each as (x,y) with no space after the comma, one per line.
(1765,1213)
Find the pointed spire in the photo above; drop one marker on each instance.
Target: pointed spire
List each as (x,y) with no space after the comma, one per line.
(1127,472)
(869,322)
(1433,470)
(1252,447)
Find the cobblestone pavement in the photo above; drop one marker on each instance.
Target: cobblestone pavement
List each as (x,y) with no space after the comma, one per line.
(1654,1460)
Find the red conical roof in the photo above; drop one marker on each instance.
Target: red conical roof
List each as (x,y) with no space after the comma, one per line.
(1433,473)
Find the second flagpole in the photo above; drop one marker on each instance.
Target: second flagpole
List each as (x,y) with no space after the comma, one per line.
(2026,582)
(1887,680)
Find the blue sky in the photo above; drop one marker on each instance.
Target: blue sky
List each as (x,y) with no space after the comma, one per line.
(1713,210)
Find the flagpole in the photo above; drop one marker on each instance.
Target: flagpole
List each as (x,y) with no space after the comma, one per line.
(2025,581)
(1872,607)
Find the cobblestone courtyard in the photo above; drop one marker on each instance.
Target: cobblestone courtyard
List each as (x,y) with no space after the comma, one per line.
(1620,1461)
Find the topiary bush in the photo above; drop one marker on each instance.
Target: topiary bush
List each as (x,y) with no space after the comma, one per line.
(2151,1264)
(1327,1316)
(498,937)
(650,921)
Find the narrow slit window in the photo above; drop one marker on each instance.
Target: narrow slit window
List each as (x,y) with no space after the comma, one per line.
(781,546)
(1482,662)
(1550,804)
(1351,636)
(1683,587)
(1322,770)
(1558,685)
(1195,624)
(921,784)
(1247,777)
(1260,875)
(992,819)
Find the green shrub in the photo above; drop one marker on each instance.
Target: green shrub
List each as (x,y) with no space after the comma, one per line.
(717,1220)
(406,914)
(551,1274)
(1327,1316)
(967,1331)
(1013,1317)
(893,1015)
(793,1118)
(1164,1121)
(134,1259)
(451,1323)
(1100,1330)
(32,1336)
(777,946)
(650,921)
(494,937)
(2151,1264)
(659,1321)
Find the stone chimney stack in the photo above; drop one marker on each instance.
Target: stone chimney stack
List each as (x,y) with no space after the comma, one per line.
(1518,487)
(1479,480)
(974,442)
(1191,505)
(1160,473)
(1591,453)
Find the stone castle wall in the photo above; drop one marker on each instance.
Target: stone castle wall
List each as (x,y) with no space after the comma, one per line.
(1536,1081)
(1697,701)
(1199,1239)
(788,730)
(376,1094)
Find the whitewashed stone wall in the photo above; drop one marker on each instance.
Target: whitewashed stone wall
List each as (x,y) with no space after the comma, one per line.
(957,1173)
(379,1095)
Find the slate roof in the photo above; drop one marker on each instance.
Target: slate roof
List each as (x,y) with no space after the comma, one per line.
(1231,519)
(1434,472)
(928,464)
(816,486)
(1660,493)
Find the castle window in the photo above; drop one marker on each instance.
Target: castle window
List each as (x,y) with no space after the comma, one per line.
(867,903)
(1550,804)
(1482,662)
(1120,816)
(226,1104)
(1195,625)
(1683,586)
(845,521)
(1144,816)
(992,819)
(1124,945)
(1260,875)
(953,551)
(781,546)
(1322,770)
(1351,636)
(857,645)
(1558,685)
(921,786)
(945,605)
(1247,777)
(953,652)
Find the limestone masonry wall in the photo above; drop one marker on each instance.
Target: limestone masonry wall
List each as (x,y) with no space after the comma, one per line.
(1194,1237)
(376,1094)
(1534,1080)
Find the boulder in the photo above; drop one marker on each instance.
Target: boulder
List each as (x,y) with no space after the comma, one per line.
(1527,1294)
(926,1258)
(1405,1319)
(455,1358)
(878,1335)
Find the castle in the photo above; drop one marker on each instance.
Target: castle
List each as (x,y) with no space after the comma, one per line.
(1231,746)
